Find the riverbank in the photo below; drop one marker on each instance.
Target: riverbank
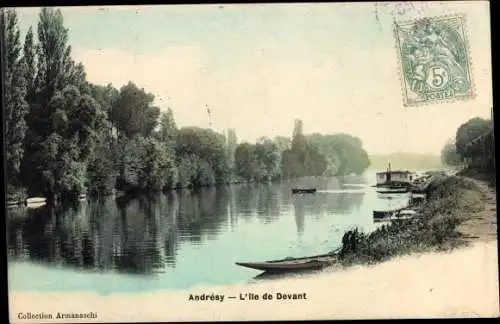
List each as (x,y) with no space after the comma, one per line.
(458,210)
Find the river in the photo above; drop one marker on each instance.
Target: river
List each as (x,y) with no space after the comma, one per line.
(183,238)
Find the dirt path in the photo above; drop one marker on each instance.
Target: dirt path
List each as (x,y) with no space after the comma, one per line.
(482,226)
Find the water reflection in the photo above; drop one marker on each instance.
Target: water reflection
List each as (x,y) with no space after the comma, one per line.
(145,234)
(269,276)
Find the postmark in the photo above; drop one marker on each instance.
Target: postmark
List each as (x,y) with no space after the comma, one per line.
(434,58)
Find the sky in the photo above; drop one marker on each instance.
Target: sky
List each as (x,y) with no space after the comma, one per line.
(260,67)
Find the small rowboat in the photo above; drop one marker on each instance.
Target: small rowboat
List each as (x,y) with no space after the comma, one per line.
(303,190)
(385,214)
(407,213)
(35,202)
(393,191)
(292,264)
(394,215)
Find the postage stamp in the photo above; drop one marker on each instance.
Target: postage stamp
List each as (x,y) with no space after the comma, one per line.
(434,58)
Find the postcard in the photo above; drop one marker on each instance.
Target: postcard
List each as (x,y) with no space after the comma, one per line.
(250,162)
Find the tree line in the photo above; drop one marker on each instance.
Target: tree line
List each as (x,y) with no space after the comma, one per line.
(66,136)
(473,146)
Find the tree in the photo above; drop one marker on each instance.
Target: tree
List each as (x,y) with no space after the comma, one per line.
(260,161)
(244,161)
(15,105)
(133,112)
(168,128)
(105,96)
(449,155)
(283,143)
(54,69)
(146,165)
(267,159)
(302,159)
(29,59)
(208,148)
(468,132)
(232,143)
(187,169)
(344,153)
(62,157)
(53,55)
(102,168)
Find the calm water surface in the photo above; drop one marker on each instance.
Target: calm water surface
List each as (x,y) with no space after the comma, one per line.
(183,238)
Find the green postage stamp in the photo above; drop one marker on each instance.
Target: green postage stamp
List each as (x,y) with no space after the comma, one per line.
(434,58)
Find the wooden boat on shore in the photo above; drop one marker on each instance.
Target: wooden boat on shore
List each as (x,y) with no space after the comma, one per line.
(406,213)
(303,190)
(384,214)
(292,264)
(35,202)
(393,215)
(417,198)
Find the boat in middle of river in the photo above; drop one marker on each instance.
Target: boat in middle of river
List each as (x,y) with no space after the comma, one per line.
(303,190)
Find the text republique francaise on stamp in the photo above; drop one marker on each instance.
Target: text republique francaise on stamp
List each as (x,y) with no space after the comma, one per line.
(434,58)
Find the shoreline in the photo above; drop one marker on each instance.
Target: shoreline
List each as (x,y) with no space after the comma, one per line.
(458,210)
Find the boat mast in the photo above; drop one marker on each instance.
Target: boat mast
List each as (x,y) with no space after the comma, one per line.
(209,116)
(388,178)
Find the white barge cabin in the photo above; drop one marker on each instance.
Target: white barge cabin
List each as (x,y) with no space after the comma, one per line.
(396,176)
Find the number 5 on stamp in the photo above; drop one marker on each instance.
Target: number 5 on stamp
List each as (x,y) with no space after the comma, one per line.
(434,58)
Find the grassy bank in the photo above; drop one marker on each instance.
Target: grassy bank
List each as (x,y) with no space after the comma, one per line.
(449,201)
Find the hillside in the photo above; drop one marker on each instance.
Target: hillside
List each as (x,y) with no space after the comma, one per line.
(403,160)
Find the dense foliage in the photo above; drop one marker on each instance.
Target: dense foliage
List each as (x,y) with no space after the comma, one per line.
(201,157)
(15,105)
(468,132)
(257,162)
(449,155)
(66,136)
(344,153)
(473,146)
(133,112)
(303,158)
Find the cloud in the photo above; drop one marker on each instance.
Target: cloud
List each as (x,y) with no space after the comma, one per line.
(258,90)
(174,75)
(355,89)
